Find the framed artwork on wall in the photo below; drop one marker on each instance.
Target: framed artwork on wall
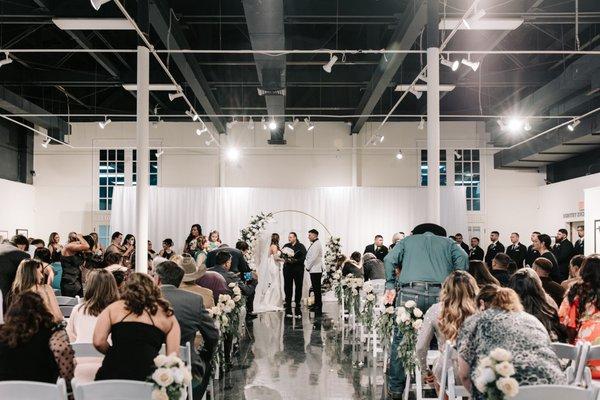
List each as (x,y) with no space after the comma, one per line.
(23,232)
(3,235)
(596,236)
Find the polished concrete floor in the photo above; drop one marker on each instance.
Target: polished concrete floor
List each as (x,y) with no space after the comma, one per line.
(308,358)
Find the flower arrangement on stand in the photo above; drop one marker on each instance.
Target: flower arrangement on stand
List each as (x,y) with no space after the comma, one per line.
(494,375)
(226,318)
(385,325)
(353,294)
(332,254)
(240,302)
(170,378)
(336,285)
(409,319)
(251,233)
(370,298)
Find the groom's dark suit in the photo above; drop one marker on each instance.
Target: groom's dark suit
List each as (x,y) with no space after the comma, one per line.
(293,274)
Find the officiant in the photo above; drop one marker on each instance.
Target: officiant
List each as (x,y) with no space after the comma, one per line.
(427,257)
(293,274)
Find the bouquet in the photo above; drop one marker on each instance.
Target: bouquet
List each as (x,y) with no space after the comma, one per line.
(170,378)
(385,325)
(288,254)
(409,319)
(493,376)
(366,315)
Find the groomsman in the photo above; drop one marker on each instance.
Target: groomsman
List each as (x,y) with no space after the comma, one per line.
(494,248)
(377,248)
(563,250)
(475,252)
(314,266)
(459,240)
(532,253)
(516,250)
(578,248)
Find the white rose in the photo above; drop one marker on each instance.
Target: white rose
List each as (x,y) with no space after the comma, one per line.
(177,374)
(410,304)
(505,369)
(485,362)
(499,354)
(225,320)
(417,312)
(349,276)
(160,394)
(370,297)
(403,316)
(172,359)
(368,286)
(217,311)
(354,291)
(160,360)
(508,386)
(417,324)
(232,284)
(163,377)
(237,298)
(227,309)
(231,303)
(487,375)
(237,290)
(389,310)
(187,376)
(480,385)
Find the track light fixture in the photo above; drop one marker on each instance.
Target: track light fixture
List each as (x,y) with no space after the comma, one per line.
(309,125)
(573,125)
(210,141)
(159,153)
(422,77)
(501,123)
(46,142)
(469,22)
(263,121)
(453,65)
(474,65)
(527,125)
(421,124)
(293,123)
(98,3)
(272,124)
(332,60)
(457,155)
(514,125)
(195,117)
(176,95)
(7,60)
(399,155)
(415,92)
(105,123)
(199,131)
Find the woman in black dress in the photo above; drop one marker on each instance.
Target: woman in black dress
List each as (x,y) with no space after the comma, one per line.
(139,324)
(72,258)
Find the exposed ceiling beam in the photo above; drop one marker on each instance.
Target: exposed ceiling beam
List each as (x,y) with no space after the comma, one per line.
(412,22)
(101,58)
(170,33)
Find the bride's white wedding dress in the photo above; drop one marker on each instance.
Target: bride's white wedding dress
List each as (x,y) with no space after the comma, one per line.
(269,291)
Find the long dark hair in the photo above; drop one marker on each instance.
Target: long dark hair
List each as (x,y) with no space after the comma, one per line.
(588,290)
(533,298)
(26,315)
(275,239)
(141,294)
(192,237)
(52,239)
(481,273)
(126,240)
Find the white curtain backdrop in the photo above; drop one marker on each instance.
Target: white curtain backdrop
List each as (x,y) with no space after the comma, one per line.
(354,214)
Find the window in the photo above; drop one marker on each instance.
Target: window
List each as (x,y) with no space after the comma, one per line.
(424,168)
(153,168)
(104,235)
(111,172)
(467,173)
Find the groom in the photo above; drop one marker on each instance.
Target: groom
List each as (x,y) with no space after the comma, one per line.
(293,274)
(314,265)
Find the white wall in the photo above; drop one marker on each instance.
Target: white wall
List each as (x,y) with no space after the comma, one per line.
(17,208)
(592,214)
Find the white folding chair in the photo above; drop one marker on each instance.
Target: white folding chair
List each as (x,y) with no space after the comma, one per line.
(378,286)
(447,384)
(185,353)
(67,301)
(85,350)
(573,353)
(555,392)
(25,390)
(114,389)
(66,310)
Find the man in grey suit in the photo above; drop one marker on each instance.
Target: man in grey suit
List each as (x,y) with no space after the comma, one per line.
(192,317)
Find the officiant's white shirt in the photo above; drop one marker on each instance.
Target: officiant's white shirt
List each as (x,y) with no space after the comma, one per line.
(314,258)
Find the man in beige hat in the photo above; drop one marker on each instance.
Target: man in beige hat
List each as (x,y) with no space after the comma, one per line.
(193,273)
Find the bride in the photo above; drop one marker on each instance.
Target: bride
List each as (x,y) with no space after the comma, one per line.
(269,291)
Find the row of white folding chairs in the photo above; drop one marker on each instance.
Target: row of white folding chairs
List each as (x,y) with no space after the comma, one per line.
(66,304)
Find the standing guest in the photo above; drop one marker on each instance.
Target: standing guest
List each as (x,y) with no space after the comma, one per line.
(579,246)
(193,318)
(563,251)
(532,254)
(459,240)
(139,324)
(372,267)
(516,251)
(494,248)
(398,236)
(482,274)
(314,266)
(293,274)
(72,259)
(542,243)
(191,274)
(167,249)
(11,255)
(151,250)
(36,244)
(97,249)
(195,233)
(475,252)
(377,248)
(115,244)
(543,268)
(444,319)
(100,292)
(353,265)
(33,347)
(214,240)
(54,246)
(30,277)
(45,257)
(427,258)
(503,324)
(238,261)
(213,281)
(129,246)
(528,286)
(500,265)
(574,267)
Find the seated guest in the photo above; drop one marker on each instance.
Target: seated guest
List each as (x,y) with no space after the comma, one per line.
(11,255)
(139,324)
(113,262)
(377,248)
(30,277)
(580,310)
(353,265)
(192,317)
(500,265)
(373,268)
(459,240)
(503,324)
(475,252)
(528,286)
(167,249)
(398,236)
(214,240)
(541,243)
(574,266)
(129,246)
(444,319)
(543,268)
(192,273)
(195,233)
(36,244)
(72,260)
(213,281)
(54,246)
(223,267)
(43,255)
(481,273)
(203,250)
(238,261)
(32,346)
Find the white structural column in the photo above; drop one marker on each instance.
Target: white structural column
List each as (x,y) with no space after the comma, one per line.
(222,165)
(143,159)
(354,160)
(433,134)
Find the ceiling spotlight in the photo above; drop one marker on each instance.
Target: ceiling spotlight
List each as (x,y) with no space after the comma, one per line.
(474,18)
(457,155)
(527,125)
(176,95)
(453,65)
(46,142)
(292,124)
(573,125)
(7,60)
(332,60)
(472,64)
(233,153)
(272,124)
(210,141)
(415,92)
(421,124)
(515,125)
(422,77)
(105,123)
(501,124)
(192,115)
(250,124)
(159,152)
(309,125)
(399,155)
(199,131)
(98,3)
(263,121)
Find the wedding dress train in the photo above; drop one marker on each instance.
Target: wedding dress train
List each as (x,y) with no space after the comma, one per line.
(269,291)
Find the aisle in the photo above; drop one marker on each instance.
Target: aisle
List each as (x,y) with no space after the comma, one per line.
(285,358)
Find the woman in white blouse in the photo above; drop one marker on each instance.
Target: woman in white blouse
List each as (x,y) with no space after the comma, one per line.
(444,319)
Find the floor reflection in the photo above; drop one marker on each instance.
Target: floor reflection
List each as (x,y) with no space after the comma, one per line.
(308,358)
